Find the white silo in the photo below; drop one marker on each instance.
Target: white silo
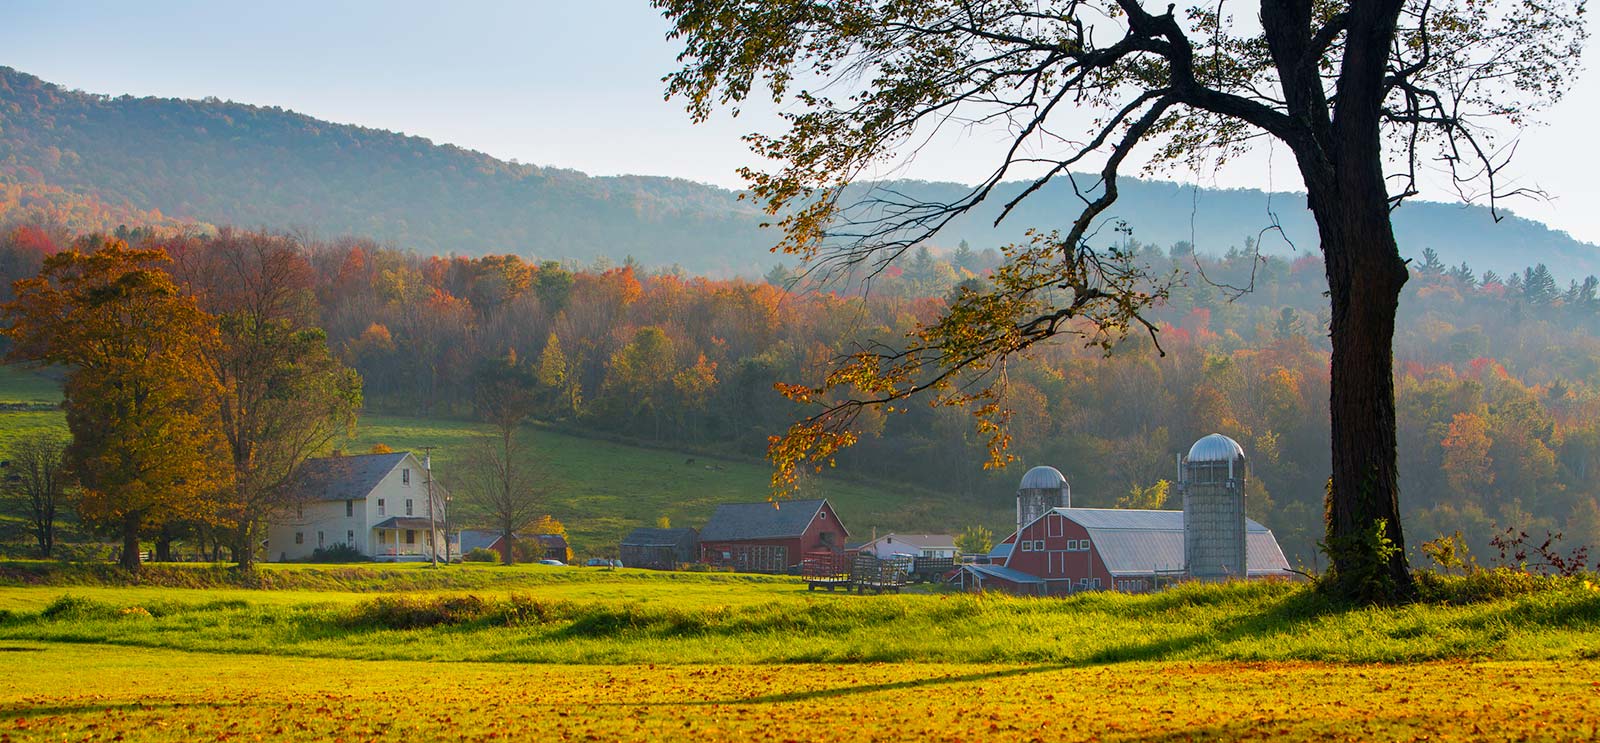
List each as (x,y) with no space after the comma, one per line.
(1211,480)
(1042,489)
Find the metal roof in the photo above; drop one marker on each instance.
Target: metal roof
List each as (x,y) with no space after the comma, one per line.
(1003,573)
(651,537)
(1215,448)
(1133,542)
(1043,477)
(765,520)
(1001,551)
(345,477)
(472,539)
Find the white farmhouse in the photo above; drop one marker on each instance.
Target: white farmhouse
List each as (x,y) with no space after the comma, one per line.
(916,545)
(376,503)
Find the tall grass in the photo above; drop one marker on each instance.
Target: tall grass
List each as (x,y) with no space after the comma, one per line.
(1255,622)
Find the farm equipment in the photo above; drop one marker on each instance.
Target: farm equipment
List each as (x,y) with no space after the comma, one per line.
(868,572)
(931,569)
(860,572)
(828,570)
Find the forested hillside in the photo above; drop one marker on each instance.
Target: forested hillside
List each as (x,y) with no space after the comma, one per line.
(93,162)
(1498,375)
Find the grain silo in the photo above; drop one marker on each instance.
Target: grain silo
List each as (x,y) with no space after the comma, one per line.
(1042,489)
(1211,480)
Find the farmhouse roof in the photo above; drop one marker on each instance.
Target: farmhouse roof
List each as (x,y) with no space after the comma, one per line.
(403,522)
(1134,542)
(345,477)
(651,537)
(918,541)
(733,522)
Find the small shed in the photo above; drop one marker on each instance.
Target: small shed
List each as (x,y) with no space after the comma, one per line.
(770,537)
(659,549)
(551,546)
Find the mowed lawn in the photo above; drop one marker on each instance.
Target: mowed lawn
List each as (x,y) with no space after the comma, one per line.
(77,692)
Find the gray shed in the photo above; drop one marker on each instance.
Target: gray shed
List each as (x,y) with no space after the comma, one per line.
(659,549)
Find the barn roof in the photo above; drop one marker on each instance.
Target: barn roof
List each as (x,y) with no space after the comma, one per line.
(1001,551)
(1134,542)
(649,537)
(733,522)
(345,477)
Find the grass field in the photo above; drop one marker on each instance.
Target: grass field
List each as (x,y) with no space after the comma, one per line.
(532,653)
(78,692)
(566,615)
(599,489)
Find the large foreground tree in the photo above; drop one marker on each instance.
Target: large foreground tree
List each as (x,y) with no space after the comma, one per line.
(140,404)
(1365,94)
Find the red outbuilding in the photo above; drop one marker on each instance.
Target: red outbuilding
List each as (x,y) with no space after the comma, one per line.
(770,537)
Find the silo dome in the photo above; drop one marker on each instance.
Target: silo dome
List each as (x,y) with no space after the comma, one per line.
(1214,448)
(1044,477)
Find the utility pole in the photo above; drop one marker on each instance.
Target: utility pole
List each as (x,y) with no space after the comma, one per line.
(433,529)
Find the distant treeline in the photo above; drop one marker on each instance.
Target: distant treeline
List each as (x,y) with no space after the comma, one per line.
(1498,377)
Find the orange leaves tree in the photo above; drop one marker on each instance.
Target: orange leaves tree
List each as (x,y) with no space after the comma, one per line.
(140,402)
(282,396)
(1362,93)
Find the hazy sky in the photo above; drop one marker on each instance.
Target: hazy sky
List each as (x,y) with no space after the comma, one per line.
(568,83)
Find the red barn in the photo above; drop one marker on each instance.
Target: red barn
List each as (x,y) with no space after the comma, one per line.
(1085,549)
(770,537)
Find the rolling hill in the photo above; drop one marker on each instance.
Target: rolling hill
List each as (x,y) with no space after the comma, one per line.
(219,162)
(599,489)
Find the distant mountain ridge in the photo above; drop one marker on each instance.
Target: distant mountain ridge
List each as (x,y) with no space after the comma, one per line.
(220,162)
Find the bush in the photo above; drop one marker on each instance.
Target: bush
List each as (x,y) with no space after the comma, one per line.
(413,612)
(1480,586)
(338,553)
(481,554)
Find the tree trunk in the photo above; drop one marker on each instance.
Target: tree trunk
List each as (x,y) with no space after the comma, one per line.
(508,547)
(164,545)
(130,543)
(245,554)
(1365,276)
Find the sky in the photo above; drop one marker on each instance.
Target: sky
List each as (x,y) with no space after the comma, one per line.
(566,83)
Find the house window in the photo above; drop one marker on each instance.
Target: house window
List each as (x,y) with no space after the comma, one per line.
(349,508)
(1096,584)
(411,536)
(320,541)
(408,506)
(350,538)
(299,511)
(1083,544)
(380,506)
(1038,545)
(1083,584)
(405,476)
(299,537)
(1027,546)
(1072,545)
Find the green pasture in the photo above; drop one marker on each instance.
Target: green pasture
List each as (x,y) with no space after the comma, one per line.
(579,615)
(599,489)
